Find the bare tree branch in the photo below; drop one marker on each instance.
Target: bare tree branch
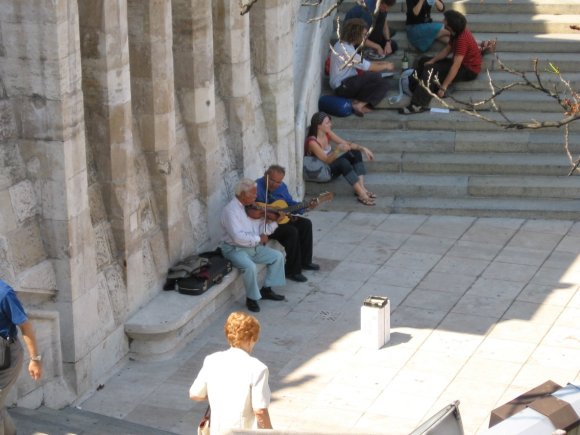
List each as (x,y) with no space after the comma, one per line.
(245,7)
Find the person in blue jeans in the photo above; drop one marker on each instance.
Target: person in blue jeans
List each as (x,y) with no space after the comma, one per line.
(12,315)
(244,245)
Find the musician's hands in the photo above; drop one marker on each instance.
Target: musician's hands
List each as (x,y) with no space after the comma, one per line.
(263,239)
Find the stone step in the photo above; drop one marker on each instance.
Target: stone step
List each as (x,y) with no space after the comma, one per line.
(390,141)
(549,43)
(499,23)
(515,100)
(488,164)
(452,121)
(491,207)
(495,6)
(458,186)
(71,420)
(524,208)
(171,319)
(512,101)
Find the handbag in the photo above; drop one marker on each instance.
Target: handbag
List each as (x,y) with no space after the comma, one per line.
(316,170)
(203,428)
(5,353)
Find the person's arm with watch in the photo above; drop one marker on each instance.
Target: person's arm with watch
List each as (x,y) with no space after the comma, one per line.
(35,365)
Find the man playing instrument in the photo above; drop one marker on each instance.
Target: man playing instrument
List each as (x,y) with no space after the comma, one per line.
(244,245)
(296,235)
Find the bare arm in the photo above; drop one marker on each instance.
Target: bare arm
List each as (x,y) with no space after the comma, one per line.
(382,65)
(197,398)
(417,8)
(347,146)
(34,367)
(374,46)
(319,153)
(263,417)
(387,34)
(441,55)
(439,5)
(451,74)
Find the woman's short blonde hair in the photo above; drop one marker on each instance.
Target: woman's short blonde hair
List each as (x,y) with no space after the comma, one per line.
(241,327)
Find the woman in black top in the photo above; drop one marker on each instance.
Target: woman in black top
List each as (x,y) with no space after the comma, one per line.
(421,30)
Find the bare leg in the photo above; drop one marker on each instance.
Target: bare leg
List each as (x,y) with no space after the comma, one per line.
(361,106)
(443,35)
(362,194)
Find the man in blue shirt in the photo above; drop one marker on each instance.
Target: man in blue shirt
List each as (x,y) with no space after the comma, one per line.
(296,235)
(11,315)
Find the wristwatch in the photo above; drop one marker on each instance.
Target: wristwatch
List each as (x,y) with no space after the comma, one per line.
(36,358)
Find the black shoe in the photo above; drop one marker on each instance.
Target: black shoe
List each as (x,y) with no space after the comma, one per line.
(268,293)
(311,266)
(298,277)
(252,305)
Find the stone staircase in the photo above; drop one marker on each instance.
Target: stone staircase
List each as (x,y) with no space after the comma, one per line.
(451,163)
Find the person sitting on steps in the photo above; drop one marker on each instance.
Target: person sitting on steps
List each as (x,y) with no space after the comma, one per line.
(244,245)
(366,90)
(296,234)
(380,38)
(464,65)
(346,159)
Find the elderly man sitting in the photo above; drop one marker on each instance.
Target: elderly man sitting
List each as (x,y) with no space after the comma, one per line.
(244,245)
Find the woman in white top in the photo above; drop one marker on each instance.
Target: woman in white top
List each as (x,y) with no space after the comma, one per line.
(235,383)
(367,89)
(346,159)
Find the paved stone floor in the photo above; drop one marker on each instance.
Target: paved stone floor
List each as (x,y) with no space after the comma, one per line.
(483,309)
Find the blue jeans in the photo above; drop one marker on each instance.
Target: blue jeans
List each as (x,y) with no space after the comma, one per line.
(246,259)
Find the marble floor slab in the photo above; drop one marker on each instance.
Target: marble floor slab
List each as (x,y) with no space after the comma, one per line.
(481,310)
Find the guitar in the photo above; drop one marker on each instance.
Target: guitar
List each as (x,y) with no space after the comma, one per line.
(280,206)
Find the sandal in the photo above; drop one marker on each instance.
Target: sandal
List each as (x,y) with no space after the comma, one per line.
(411,108)
(365,201)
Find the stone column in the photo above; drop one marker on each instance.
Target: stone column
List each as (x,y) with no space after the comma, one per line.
(234,77)
(41,69)
(150,46)
(272,37)
(107,90)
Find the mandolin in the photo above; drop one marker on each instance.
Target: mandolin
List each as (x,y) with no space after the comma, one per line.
(282,207)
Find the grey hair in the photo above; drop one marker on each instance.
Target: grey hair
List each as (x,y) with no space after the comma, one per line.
(244,185)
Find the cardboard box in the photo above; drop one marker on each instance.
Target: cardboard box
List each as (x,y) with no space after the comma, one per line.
(547,401)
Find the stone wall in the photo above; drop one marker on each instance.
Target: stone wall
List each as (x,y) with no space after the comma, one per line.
(124,126)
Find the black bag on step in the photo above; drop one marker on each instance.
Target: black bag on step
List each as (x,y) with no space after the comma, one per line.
(196,274)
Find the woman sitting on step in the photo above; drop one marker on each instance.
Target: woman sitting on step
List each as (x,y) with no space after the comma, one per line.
(366,89)
(346,159)
(464,65)
(421,30)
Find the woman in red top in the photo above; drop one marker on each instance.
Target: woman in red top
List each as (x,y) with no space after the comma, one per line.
(464,65)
